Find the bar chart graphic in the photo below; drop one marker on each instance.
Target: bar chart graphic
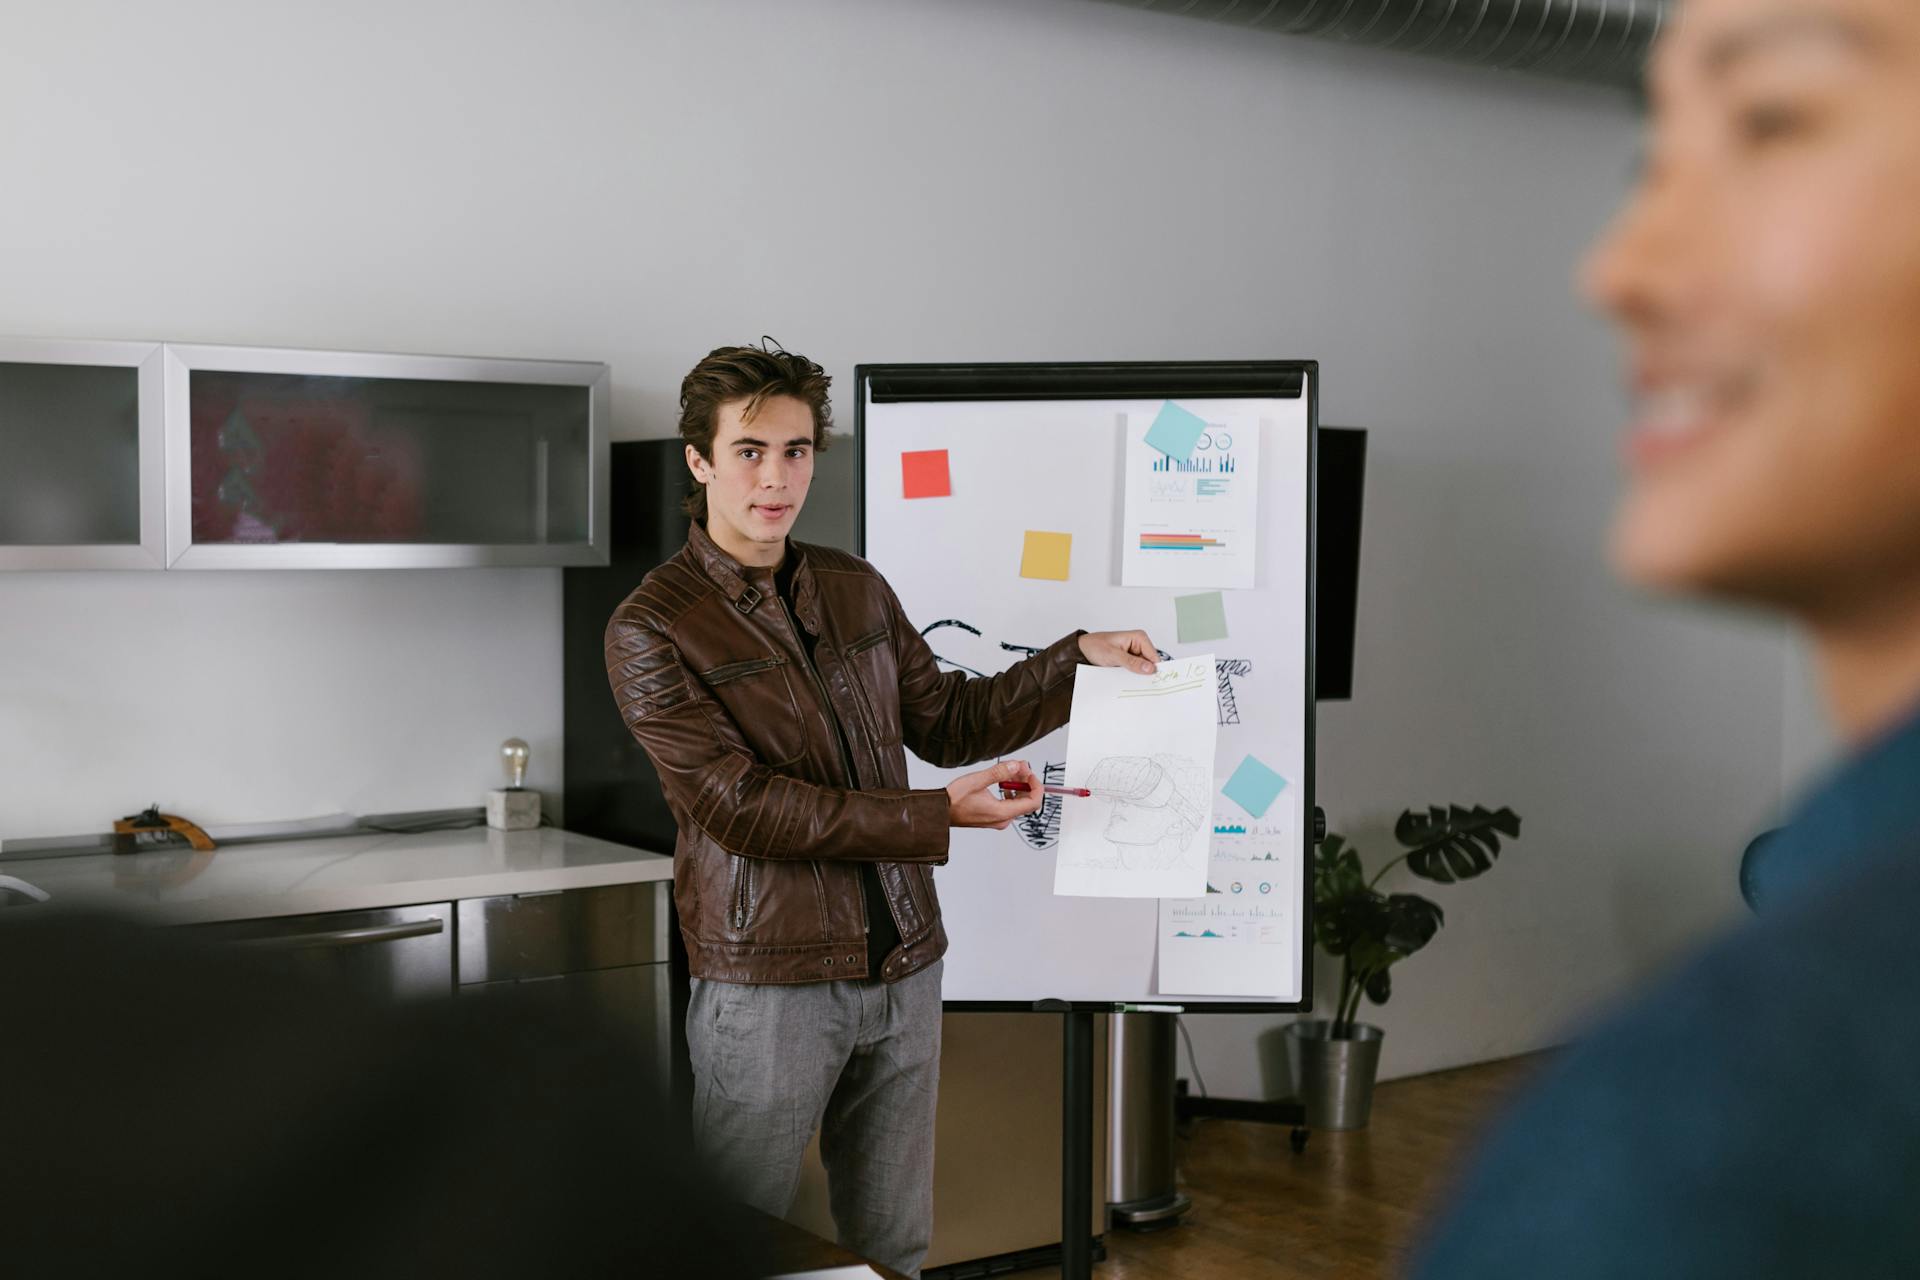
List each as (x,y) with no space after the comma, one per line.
(1179,542)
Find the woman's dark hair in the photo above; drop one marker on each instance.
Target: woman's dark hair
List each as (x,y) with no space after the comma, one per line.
(752,374)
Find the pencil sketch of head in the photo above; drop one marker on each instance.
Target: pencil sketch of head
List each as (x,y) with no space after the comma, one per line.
(1157,800)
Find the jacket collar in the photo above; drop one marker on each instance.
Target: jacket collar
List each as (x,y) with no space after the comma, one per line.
(747,588)
(1865,812)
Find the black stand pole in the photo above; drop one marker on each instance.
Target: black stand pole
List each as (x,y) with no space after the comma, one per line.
(1076,1147)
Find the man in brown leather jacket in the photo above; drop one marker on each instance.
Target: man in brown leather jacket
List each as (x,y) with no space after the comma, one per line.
(777,686)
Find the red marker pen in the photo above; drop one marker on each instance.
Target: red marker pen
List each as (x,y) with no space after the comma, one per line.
(1020,788)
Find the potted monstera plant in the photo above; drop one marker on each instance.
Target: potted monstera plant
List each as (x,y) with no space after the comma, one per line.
(1368,932)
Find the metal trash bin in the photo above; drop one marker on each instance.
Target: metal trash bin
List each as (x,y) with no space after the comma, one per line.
(1140,1181)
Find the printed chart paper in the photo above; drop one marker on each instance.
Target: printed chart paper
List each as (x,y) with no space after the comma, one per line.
(1192,522)
(1238,939)
(1144,746)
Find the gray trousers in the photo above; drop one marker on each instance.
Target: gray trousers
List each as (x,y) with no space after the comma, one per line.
(857,1060)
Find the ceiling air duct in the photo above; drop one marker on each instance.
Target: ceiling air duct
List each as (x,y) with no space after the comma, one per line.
(1603,40)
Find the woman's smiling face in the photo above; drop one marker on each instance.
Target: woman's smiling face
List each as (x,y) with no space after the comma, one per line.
(1766,275)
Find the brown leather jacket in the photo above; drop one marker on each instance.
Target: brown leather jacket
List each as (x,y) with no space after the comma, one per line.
(711,676)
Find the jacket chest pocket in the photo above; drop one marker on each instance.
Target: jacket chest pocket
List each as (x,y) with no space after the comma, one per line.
(870,669)
(758,694)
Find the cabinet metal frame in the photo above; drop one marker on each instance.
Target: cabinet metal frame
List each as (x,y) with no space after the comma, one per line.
(532,937)
(145,358)
(181,360)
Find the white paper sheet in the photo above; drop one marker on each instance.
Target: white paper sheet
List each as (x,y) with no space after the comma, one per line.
(1192,522)
(1144,746)
(1238,939)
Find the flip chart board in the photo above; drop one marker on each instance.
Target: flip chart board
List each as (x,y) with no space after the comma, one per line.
(1011,504)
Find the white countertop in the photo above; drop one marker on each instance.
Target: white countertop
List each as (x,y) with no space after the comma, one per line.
(337,873)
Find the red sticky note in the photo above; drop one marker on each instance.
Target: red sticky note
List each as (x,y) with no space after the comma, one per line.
(923,474)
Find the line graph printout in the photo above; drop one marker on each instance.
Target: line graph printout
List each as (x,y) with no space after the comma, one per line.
(1240,937)
(1143,745)
(1191,522)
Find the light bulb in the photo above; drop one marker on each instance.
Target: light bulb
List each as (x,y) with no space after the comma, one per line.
(513,759)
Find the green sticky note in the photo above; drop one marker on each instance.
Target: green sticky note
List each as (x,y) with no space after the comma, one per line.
(1175,431)
(1254,787)
(1201,617)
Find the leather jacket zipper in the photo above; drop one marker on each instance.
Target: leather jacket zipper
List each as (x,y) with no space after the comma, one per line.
(846,756)
(820,687)
(742,892)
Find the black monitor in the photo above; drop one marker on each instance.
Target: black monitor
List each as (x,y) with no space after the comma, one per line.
(1342,479)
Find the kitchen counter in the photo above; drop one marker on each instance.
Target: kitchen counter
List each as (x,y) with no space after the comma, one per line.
(337,873)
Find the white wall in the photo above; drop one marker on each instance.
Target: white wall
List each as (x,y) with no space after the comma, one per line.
(909,180)
(259,696)
(1808,744)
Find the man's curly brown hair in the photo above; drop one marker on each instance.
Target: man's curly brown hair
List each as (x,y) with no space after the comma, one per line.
(752,374)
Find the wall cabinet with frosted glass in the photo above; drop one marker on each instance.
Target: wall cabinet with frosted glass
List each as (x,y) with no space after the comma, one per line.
(267,458)
(82,455)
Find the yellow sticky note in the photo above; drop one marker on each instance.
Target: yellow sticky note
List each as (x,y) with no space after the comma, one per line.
(1046,555)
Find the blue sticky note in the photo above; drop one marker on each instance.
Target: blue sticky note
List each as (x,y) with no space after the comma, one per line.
(1175,431)
(1254,787)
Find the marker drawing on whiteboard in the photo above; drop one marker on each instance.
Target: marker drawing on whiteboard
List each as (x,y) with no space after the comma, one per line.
(960,645)
(1041,829)
(1226,669)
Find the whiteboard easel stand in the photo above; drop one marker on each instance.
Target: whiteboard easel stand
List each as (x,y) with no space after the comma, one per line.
(1076,1136)
(898,385)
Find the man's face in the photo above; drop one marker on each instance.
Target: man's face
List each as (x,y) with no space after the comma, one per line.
(1767,277)
(758,476)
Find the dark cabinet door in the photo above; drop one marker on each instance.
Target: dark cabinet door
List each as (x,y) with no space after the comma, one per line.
(81,455)
(389,953)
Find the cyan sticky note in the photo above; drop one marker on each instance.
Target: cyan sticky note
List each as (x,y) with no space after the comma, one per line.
(1254,787)
(1175,431)
(1200,617)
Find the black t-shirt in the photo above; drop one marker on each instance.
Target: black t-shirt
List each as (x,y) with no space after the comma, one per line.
(882,934)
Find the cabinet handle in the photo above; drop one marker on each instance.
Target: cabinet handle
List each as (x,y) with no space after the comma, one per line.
(349,937)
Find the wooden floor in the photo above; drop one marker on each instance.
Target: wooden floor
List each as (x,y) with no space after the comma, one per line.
(1345,1209)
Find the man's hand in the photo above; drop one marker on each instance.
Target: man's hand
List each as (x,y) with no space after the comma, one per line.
(1129,649)
(973,802)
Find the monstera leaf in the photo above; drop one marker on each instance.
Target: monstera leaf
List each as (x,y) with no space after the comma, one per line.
(1336,870)
(1411,923)
(1384,929)
(1454,843)
(1369,931)
(1378,986)
(1349,922)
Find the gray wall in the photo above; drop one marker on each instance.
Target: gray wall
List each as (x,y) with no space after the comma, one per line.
(905,180)
(1808,745)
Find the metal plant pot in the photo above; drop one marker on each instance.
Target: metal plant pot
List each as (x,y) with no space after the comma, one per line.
(1334,1078)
